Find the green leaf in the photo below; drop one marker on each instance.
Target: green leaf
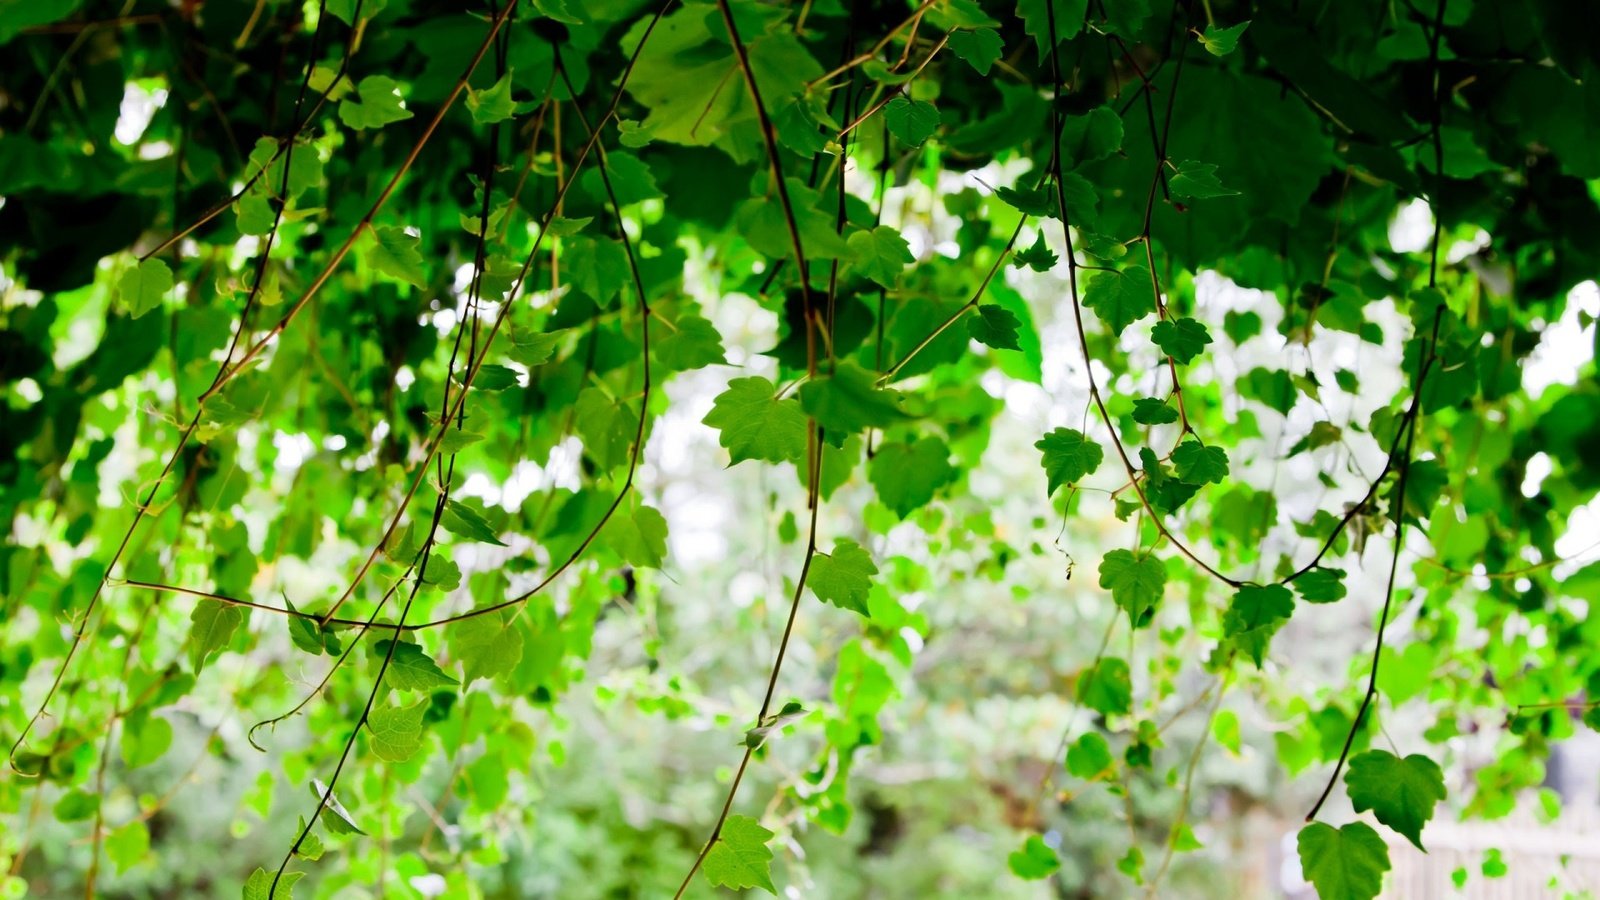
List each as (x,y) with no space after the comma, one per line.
(1198,181)
(844,577)
(561,226)
(994,326)
(906,476)
(739,858)
(1035,861)
(464,521)
(396,254)
(147,742)
(791,712)
(1345,863)
(560,10)
(1225,728)
(1400,792)
(631,179)
(259,885)
(143,287)
(303,631)
(912,121)
(212,625)
(1089,757)
(1197,463)
(254,214)
(335,817)
(1273,387)
(1069,457)
(1106,687)
(1222,41)
(129,845)
(880,254)
(761,222)
(639,536)
(1403,674)
(1069,18)
(410,669)
(754,424)
(1120,298)
(1038,257)
(1039,201)
(1321,585)
(486,645)
(378,104)
(491,377)
(76,806)
(441,571)
(693,343)
(849,401)
(345,10)
(311,845)
(1182,339)
(1256,614)
(981,47)
(492,104)
(1136,582)
(534,348)
(1086,138)
(1152,411)
(396,731)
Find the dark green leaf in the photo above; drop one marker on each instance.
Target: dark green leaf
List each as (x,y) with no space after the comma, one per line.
(1069,457)
(1345,863)
(1400,792)
(843,577)
(994,326)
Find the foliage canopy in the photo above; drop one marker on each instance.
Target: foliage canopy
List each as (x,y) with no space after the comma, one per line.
(354,256)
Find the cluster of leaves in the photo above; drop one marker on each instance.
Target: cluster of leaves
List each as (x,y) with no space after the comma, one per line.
(366,250)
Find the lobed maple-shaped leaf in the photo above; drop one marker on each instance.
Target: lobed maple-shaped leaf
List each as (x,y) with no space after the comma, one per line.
(980,47)
(410,668)
(995,326)
(377,103)
(1182,339)
(849,401)
(1089,137)
(1120,298)
(906,476)
(1153,411)
(259,885)
(1400,792)
(843,577)
(740,858)
(754,424)
(397,254)
(1069,457)
(1136,582)
(1255,615)
(487,646)
(1343,863)
(1321,585)
(1197,463)
(880,254)
(143,287)
(911,121)
(396,731)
